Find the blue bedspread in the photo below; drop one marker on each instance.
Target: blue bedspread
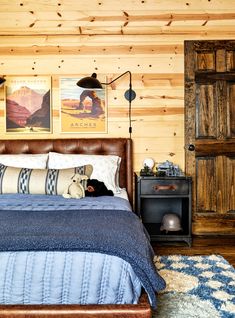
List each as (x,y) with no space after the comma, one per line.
(114,232)
(52,223)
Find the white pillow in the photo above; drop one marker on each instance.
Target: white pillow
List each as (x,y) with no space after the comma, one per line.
(117,174)
(30,161)
(105,167)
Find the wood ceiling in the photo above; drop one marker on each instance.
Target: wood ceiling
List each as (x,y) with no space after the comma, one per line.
(104,27)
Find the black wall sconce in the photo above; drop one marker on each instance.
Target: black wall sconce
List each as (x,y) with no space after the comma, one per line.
(90,82)
(2,81)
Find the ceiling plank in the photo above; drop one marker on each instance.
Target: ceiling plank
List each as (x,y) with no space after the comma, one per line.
(161,5)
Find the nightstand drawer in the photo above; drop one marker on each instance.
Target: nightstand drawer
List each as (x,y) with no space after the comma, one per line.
(164,187)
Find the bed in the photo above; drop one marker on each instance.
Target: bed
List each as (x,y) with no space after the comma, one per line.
(120,147)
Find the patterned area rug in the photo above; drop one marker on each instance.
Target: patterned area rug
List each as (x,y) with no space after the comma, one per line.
(197,287)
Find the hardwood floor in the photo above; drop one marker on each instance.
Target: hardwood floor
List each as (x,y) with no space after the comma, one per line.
(202,245)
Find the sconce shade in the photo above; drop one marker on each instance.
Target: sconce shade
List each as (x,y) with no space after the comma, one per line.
(89,82)
(2,80)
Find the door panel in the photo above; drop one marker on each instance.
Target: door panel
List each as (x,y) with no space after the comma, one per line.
(205,115)
(222,109)
(230,60)
(231,184)
(205,61)
(205,185)
(221,185)
(210,128)
(231,110)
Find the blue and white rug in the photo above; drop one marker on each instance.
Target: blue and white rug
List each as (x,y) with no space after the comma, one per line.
(197,287)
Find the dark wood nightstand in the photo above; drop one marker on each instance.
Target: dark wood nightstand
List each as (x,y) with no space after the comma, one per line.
(158,196)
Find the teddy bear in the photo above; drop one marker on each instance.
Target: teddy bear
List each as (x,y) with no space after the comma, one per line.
(75,189)
(96,188)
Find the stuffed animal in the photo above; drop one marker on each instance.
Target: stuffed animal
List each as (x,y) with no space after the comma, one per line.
(75,189)
(96,188)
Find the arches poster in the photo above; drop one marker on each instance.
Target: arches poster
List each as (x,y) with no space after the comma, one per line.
(82,110)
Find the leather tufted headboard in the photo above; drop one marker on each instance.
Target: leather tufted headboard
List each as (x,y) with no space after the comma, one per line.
(121,147)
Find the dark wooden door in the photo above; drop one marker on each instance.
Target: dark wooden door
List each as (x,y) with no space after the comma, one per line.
(210,134)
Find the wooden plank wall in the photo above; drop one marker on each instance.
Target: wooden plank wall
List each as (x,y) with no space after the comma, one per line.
(109,37)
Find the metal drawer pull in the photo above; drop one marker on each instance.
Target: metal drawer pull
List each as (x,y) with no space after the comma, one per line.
(160,187)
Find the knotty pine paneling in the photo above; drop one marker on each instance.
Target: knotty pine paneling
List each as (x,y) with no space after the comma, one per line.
(138,5)
(80,64)
(109,37)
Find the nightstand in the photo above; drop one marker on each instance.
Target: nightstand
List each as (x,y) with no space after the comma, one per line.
(158,196)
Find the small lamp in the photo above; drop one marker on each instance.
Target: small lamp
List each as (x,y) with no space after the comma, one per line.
(90,82)
(2,81)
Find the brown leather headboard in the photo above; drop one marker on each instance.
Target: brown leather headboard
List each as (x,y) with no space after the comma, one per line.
(121,147)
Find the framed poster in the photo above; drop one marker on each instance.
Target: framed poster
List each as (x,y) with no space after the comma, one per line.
(28,104)
(82,110)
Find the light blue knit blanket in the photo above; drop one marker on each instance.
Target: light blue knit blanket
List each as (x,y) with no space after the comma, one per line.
(115,232)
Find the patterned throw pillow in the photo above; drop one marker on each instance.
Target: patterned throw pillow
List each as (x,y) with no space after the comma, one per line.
(38,181)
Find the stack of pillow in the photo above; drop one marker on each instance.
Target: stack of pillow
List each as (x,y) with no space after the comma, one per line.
(50,173)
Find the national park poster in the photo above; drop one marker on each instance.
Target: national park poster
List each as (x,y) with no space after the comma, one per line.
(28,104)
(82,110)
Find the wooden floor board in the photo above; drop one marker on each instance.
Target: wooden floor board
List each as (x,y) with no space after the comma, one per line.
(202,245)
